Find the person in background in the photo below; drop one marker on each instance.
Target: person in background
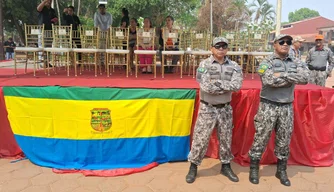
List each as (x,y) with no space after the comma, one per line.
(47,15)
(170,44)
(102,19)
(297,43)
(125,21)
(70,18)
(145,44)
(9,46)
(317,60)
(132,38)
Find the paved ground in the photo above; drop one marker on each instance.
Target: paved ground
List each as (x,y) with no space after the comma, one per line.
(23,176)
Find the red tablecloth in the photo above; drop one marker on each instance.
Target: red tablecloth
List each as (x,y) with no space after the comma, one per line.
(312,140)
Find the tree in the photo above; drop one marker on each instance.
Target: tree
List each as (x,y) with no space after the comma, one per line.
(301,14)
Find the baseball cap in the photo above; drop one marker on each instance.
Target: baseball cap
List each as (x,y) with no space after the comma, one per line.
(281,36)
(319,37)
(219,40)
(298,39)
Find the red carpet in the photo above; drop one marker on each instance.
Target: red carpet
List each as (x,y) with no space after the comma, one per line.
(313,137)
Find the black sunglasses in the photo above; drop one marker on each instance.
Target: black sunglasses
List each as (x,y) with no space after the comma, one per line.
(282,42)
(218,46)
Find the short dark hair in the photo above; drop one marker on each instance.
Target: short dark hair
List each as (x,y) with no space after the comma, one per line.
(71,7)
(102,6)
(171,18)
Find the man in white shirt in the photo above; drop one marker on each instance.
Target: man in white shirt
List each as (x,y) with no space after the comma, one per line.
(102,19)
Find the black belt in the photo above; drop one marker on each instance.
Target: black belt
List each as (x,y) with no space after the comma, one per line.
(310,67)
(217,105)
(273,102)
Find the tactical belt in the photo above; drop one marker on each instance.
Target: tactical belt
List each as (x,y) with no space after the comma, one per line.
(273,102)
(312,68)
(217,105)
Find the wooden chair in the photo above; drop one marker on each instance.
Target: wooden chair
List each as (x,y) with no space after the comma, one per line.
(61,48)
(33,39)
(118,53)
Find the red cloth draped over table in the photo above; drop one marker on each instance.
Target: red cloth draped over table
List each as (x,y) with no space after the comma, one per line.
(313,135)
(8,145)
(312,140)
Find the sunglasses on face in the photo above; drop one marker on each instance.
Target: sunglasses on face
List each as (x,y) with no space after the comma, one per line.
(218,46)
(282,42)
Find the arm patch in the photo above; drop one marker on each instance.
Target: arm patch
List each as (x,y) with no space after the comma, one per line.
(262,68)
(201,69)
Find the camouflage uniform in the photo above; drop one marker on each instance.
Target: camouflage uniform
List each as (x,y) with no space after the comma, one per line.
(276,111)
(217,82)
(317,60)
(276,108)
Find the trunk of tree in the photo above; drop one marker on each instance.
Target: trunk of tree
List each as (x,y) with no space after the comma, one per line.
(79,4)
(19,29)
(1,31)
(73,3)
(59,16)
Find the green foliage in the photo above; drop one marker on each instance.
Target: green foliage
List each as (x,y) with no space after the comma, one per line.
(301,14)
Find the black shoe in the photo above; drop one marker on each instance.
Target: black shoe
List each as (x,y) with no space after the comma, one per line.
(227,171)
(191,176)
(281,172)
(254,171)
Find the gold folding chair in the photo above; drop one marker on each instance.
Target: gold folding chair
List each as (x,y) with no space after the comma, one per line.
(117,52)
(171,49)
(34,43)
(256,49)
(61,48)
(145,46)
(88,53)
(200,49)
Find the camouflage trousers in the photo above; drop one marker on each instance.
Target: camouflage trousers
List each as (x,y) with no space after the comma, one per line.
(268,117)
(208,118)
(318,77)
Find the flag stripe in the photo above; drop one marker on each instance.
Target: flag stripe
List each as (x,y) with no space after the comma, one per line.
(87,93)
(103,154)
(70,119)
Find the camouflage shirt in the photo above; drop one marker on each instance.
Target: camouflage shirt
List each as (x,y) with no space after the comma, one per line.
(281,89)
(217,81)
(318,59)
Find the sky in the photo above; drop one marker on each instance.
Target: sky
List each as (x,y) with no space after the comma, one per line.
(324,7)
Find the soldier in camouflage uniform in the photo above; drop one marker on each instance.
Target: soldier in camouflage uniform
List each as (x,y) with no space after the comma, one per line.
(317,60)
(218,78)
(279,74)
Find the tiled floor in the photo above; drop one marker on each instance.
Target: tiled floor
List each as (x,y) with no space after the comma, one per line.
(23,176)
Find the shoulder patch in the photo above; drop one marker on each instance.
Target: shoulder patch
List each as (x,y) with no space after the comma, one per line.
(201,69)
(262,68)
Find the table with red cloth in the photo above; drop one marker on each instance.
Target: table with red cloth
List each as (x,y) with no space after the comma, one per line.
(313,135)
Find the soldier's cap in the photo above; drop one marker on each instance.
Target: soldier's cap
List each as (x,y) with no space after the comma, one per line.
(298,39)
(321,37)
(281,36)
(219,40)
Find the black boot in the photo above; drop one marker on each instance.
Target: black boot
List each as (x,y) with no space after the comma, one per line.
(254,171)
(191,176)
(281,172)
(227,171)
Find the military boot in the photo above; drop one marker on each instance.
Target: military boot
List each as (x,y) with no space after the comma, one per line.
(227,171)
(254,171)
(191,176)
(281,172)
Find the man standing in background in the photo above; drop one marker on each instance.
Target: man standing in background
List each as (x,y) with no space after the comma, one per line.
(317,60)
(297,43)
(102,19)
(9,46)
